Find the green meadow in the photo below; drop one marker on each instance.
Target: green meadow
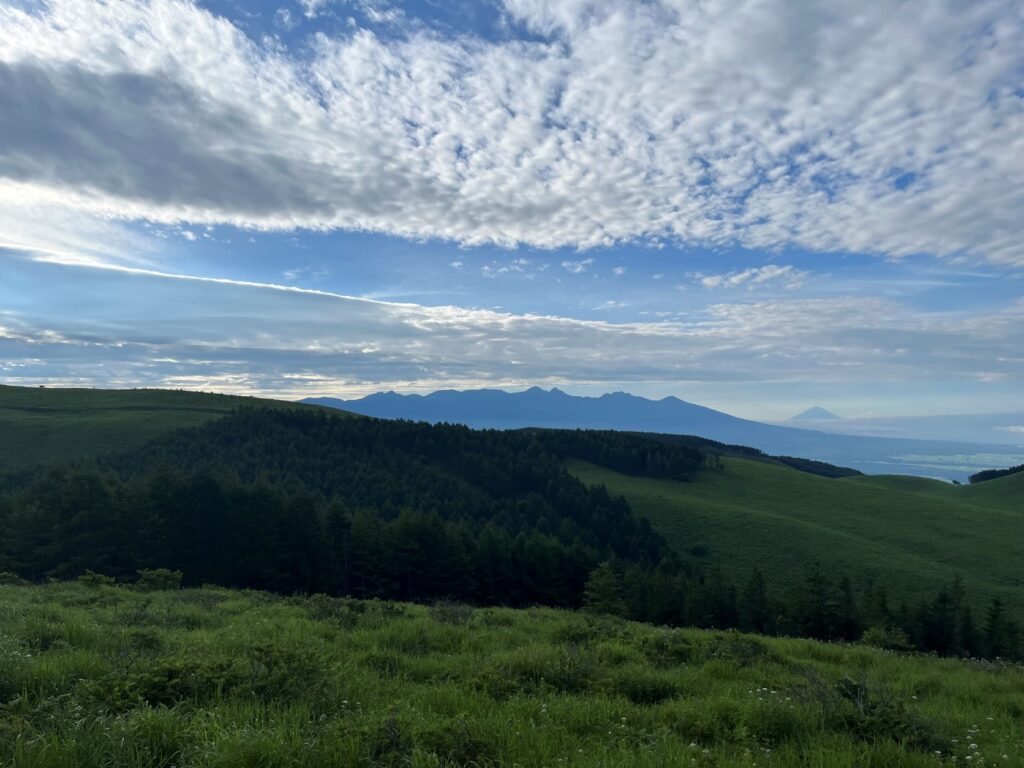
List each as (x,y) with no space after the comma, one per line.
(910,534)
(102,676)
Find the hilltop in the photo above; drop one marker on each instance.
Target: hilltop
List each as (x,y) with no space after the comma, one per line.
(45,425)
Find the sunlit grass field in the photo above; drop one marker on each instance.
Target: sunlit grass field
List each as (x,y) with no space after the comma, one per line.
(112,676)
(910,534)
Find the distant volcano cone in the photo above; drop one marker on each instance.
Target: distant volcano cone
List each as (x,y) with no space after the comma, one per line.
(817,413)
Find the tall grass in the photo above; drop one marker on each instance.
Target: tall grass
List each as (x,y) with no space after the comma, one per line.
(110,676)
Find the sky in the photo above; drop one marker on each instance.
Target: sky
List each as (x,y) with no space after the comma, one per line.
(759,205)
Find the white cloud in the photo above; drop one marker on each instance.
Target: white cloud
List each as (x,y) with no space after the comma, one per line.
(577,267)
(787,277)
(376,11)
(519,266)
(304,273)
(284,19)
(888,127)
(619,271)
(312,8)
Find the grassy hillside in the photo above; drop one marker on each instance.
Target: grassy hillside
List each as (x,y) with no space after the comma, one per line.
(110,676)
(909,534)
(1005,493)
(51,425)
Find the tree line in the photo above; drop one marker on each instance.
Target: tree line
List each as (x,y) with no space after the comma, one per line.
(822,607)
(992,474)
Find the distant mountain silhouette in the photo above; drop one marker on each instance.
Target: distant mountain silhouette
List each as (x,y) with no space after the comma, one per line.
(536,407)
(817,413)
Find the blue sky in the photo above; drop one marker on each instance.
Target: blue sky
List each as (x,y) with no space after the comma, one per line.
(755,206)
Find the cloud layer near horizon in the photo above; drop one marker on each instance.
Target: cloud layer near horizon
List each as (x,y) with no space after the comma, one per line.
(885,127)
(215,334)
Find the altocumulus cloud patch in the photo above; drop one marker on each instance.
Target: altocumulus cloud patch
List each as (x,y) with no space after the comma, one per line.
(895,128)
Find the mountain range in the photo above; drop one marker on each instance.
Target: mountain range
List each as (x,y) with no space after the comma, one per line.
(537,407)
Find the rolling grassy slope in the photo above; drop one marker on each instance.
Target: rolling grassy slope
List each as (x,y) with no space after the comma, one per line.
(1002,493)
(912,535)
(52,425)
(114,676)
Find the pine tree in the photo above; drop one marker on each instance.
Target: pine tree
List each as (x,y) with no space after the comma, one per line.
(339,529)
(814,611)
(754,608)
(603,593)
(848,623)
(1001,633)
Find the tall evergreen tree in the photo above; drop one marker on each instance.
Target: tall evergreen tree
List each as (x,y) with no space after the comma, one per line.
(603,593)
(755,610)
(1001,634)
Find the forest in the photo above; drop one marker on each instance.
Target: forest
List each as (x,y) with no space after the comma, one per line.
(303,502)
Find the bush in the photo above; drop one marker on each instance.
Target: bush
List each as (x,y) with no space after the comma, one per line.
(391,744)
(869,711)
(451,612)
(739,649)
(159,578)
(889,638)
(453,741)
(93,579)
(8,579)
(163,682)
(384,663)
(340,611)
(642,686)
(588,628)
(668,648)
(282,673)
(492,618)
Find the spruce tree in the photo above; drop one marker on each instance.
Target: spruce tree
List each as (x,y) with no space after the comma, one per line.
(603,593)
(754,608)
(1001,632)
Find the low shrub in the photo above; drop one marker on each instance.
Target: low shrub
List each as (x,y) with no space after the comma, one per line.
(668,648)
(340,611)
(868,711)
(93,579)
(454,742)
(888,638)
(452,612)
(643,686)
(9,579)
(152,579)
